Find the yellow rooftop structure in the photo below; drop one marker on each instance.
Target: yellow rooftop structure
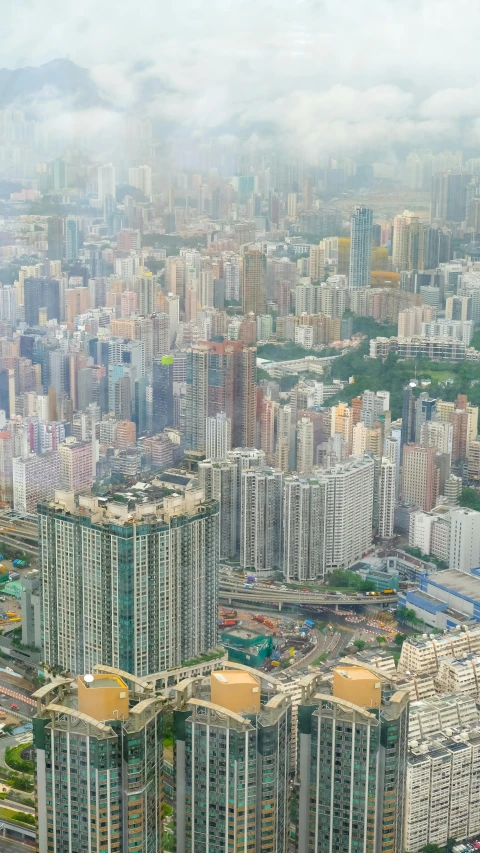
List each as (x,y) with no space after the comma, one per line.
(357,685)
(103,697)
(236,691)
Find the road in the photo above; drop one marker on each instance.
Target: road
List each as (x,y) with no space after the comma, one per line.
(19,807)
(26,706)
(9,846)
(233,589)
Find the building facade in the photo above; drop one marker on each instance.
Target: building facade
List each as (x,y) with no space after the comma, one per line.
(125,585)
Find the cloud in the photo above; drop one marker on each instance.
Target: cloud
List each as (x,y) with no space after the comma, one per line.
(320,75)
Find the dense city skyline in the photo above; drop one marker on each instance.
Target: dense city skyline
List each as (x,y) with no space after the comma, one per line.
(239,428)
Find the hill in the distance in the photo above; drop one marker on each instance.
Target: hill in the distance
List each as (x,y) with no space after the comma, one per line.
(60,78)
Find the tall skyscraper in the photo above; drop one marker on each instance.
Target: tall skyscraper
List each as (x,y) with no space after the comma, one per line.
(425,412)
(386,498)
(162,397)
(55,228)
(104,741)
(464,540)
(218,481)
(304,446)
(420,476)
(141,178)
(360,247)
(352,765)
(449,196)
(71,238)
(41,293)
(261,520)
(327,519)
(125,586)
(106,182)
(408,416)
(408,242)
(232,749)
(254,282)
(8,304)
(197,399)
(219,436)
(221,378)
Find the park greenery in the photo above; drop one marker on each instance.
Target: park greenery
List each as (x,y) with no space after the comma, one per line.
(13,758)
(470,498)
(289,351)
(444,379)
(341,579)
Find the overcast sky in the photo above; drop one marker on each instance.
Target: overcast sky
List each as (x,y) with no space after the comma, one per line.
(325,74)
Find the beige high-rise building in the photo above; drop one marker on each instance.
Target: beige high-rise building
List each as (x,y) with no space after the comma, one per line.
(141,178)
(410,320)
(254,282)
(420,476)
(292,206)
(407,248)
(284,422)
(76,473)
(304,446)
(317,262)
(374,441)
(386,499)
(268,418)
(437,434)
(359,439)
(343,419)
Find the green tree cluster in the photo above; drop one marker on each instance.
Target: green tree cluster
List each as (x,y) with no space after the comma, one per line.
(408,615)
(349,580)
(470,498)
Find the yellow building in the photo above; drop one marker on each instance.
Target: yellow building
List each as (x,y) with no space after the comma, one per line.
(357,685)
(236,691)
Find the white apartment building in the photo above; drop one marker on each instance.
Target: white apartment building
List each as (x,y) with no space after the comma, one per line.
(386,498)
(459,675)
(141,178)
(451,534)
(328,519)
(306,295)
(76,470)
(35,479)
(437,434)
(261,520)
(423,654)
(464,539)
(442,797)
(305,446)
(374,403)
(218,435)
(461,330)
(218,481)
(304,336)
(430,532)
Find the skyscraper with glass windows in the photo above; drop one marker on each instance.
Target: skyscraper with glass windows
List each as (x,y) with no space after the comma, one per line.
(232,757)
(361,226)
(352,754)
(127,584)
(99,755)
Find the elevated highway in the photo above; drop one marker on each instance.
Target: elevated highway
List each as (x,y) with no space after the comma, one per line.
(231,590)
